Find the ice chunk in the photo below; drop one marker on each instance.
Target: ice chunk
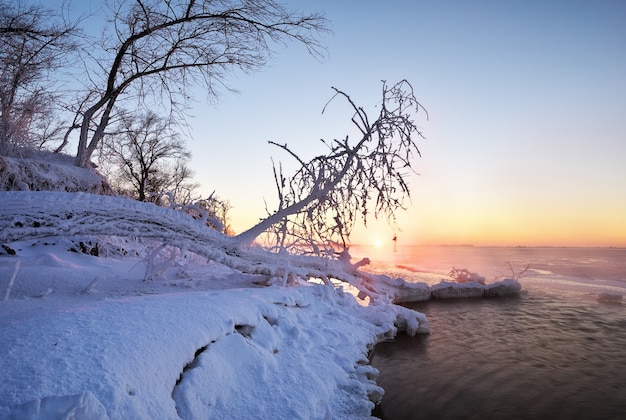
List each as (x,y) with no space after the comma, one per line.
(451,290)
(505,287)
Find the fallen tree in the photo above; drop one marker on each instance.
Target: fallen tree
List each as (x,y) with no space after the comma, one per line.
(352,181)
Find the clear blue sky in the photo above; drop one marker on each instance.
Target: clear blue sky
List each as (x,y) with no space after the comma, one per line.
(526,142)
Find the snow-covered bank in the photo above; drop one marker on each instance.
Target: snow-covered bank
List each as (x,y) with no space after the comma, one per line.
(161,317)
(37,170)
(86,335)
(259,353)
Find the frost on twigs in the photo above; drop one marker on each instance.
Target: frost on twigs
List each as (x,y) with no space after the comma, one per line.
(210,211)
(12,280)
(352,181)
(465,276)
(158,260)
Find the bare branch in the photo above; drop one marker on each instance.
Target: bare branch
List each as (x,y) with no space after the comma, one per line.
(164,46)
(35,43)
(147,156)
(320,203)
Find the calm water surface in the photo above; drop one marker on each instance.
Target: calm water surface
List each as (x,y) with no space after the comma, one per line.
(553,352)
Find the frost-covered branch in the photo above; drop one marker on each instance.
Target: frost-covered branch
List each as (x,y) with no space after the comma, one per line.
(320,203)
(16,268)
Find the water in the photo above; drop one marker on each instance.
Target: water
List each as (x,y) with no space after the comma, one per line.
(555,351)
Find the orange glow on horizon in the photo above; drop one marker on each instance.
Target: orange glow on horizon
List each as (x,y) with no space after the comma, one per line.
(492,224)
(567,230)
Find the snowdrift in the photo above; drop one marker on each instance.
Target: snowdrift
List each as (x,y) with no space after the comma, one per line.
(88,337)
(242,353)
(38,170)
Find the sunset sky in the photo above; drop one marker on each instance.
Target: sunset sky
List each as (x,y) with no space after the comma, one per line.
(526,141)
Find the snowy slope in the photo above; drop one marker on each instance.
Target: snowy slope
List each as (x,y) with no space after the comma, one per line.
(87,335)
(39,170)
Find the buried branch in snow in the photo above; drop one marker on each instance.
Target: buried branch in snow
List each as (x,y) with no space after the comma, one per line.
(43,214)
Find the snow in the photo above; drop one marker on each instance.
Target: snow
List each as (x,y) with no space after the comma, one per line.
(87,335)
(36,170)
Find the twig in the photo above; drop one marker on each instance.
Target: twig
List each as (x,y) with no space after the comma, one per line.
(12,280)
(91,285)
(515,275)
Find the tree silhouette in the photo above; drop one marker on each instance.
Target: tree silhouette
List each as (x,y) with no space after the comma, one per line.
(140,149)
(160,48)
(34,43)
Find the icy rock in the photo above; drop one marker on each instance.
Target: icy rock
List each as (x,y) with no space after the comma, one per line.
(610,297)
(399,290)
(411,292)
(451,290)
(505,287)
(410,321)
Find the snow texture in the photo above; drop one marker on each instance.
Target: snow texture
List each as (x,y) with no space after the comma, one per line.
(39,170)
(87,336)
(188,346)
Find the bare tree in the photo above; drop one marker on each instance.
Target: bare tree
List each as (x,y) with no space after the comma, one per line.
(140,150)
(34,43)
(161,47)
(178,181)
(213,211)
(319,204)
(220,208)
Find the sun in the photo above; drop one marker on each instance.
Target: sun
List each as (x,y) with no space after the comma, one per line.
(378,243)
